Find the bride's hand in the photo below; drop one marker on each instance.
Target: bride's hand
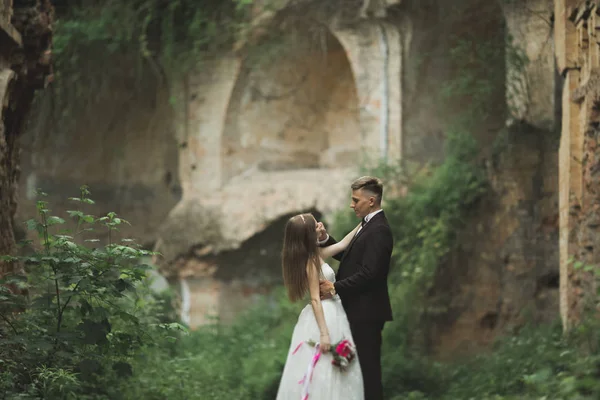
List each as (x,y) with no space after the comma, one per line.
(321,232)
(325,343)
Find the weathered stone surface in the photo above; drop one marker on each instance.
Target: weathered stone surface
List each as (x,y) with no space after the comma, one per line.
(248,204)
(255,131)
(439,81)
(530,91)
(565,35)
(505,270)
(126,153)
(578,57)
(7,30)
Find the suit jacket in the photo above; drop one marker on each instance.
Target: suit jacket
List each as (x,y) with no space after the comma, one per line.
(361,280)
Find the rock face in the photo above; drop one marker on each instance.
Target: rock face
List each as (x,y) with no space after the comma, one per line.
(504,272)
(124,151)
(253,140)
(505,269)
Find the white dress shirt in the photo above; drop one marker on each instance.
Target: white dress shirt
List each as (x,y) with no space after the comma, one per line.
(368,218)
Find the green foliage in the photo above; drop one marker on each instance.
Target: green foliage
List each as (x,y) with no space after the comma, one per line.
(112,53)
(88,313)
(538,362)
(175,35)
(241,361)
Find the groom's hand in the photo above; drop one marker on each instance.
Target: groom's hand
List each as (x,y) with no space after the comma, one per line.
(321,232)
(327,290)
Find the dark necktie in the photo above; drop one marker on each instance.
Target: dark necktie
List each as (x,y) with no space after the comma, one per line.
(364,221)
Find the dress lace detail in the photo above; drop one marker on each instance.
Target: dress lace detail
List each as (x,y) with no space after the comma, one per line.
(328,382)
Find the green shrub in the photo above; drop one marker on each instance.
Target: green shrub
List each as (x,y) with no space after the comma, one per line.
(88,313)
(241,361)
(538,362)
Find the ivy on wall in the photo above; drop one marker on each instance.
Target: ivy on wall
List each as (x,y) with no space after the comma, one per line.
(111,51)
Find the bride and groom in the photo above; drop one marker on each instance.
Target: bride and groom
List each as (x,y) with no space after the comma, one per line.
(351,305)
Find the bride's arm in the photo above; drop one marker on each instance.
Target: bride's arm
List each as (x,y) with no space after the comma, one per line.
(334,249)
(315,301)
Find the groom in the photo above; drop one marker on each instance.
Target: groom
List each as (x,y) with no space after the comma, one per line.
(361,280)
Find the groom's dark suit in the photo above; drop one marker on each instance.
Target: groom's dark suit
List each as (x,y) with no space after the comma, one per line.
(361,282)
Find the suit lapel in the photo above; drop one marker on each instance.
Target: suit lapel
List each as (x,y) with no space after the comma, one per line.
(367,226)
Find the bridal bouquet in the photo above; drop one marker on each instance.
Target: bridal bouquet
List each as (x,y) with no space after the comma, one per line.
(343,353)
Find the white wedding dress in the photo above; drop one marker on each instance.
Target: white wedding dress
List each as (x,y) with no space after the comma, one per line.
(328,381)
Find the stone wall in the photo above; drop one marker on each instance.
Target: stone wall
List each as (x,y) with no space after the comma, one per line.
(531,91)
(124,150)
(264,138)
(449,49)
(578,60)
(504,271)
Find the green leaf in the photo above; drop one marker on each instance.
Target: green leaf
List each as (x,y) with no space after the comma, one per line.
(95,332)
(52,220)
(32,224)
(123,369)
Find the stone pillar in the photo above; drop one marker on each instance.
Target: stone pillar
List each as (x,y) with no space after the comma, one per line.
(201,119)
(374,51)
(530,86)
(570,179)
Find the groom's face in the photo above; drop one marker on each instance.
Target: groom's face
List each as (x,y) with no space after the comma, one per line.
(362,203)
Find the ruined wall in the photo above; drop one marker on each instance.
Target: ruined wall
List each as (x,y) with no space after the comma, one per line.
(505,269)
(310,96)
(271,139)
(277,132)
(578,60)
(504,272)
(531,91)
(451,49)
(124,151)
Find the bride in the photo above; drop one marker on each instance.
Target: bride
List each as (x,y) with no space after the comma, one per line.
(320,321)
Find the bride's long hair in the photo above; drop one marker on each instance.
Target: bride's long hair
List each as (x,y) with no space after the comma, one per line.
(299,247)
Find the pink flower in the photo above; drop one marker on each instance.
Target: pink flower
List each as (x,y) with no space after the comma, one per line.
(344,348)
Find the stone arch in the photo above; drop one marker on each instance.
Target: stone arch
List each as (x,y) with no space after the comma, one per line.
(374,50)
(298,110)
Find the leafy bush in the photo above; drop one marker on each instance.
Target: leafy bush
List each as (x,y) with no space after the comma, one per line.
(241,361)
(538,362)
(87,316)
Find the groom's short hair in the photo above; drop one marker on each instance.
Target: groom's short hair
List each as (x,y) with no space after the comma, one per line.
(369,184)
